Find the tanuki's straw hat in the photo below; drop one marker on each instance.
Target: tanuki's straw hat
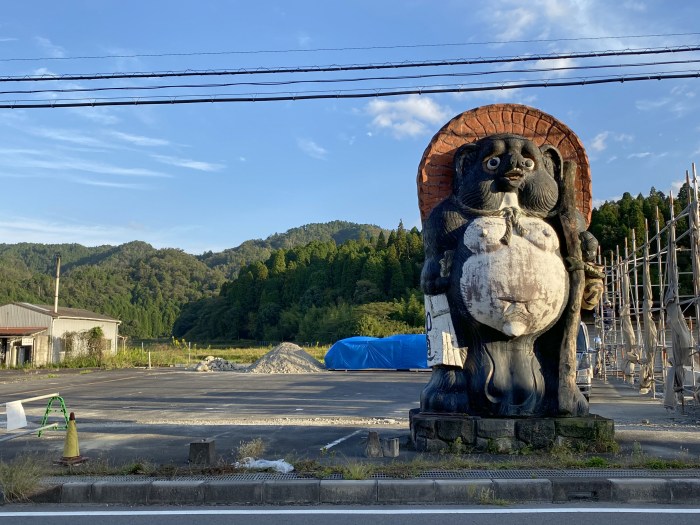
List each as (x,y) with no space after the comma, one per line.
(435,168)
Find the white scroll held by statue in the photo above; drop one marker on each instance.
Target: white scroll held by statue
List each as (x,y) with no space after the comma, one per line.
(442,341)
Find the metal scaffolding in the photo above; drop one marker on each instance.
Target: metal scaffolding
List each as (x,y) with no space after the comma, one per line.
(648,332)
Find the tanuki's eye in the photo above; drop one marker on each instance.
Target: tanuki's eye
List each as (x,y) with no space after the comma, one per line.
(493,163)
(529,164)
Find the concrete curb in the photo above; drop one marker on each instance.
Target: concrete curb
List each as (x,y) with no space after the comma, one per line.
(374,491)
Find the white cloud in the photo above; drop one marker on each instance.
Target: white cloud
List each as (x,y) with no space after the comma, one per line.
(407,117)
(312,149)
(598,143)
(635,6)
(677,185)
(242,159)
(510,20)
(16,229)
(641,155)
(24,229)
(108,184)
(303,40)
(138,140)
(66,135)
(599,202)
(560,66)
(515,22)
(68,165)
(188,163)
(650,105)
(48,47)
(102,116)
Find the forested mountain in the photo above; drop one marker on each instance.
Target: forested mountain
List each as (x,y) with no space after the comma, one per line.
(318,293)
(144,287)
(232,260)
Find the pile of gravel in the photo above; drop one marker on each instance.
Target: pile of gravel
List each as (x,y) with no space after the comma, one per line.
(286,358)
(216,364)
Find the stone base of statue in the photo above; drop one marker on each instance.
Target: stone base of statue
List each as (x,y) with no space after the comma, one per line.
(433,432)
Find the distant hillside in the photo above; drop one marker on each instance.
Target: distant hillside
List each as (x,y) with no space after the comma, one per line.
(144,287)
(232,260)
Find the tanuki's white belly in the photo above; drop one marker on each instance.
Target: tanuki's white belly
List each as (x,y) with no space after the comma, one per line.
(519,288)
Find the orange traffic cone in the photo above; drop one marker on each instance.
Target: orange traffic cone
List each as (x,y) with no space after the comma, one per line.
(71,451)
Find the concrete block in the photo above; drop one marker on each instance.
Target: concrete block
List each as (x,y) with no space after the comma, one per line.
(203,452)
(641,490)
(462,428)
(436,446)
(76,492)
(362,492)
(374,446)
(405,491)
(576,489)
(234,492)
(685,490)
(293,491)
(522,490)
(120,492)
(45,494)
(590,428)
(465,491)
(176,492)
(390,447)
(495,428)
(539,433)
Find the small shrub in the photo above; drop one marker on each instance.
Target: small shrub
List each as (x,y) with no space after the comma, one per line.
(255,448)
(457,447)
(597,462)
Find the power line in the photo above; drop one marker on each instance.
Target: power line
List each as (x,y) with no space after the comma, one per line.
(357,48)
(348,80)
(352,67)
(343,95)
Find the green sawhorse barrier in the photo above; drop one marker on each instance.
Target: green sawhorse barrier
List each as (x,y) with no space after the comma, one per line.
(50,409)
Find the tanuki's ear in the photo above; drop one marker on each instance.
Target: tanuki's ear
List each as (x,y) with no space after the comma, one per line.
(553,161)
(465,157)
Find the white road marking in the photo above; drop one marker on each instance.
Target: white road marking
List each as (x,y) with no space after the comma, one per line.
(337,441)
(358,512)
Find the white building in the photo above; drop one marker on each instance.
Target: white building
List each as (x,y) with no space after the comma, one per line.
(36,334)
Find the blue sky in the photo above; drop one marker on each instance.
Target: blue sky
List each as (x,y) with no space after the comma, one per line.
(210,176)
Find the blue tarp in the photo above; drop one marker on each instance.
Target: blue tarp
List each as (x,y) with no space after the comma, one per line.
(398,352)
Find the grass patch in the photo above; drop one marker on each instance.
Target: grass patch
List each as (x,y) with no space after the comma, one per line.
(255,448)
(357,470)
(22,477)
(167,355)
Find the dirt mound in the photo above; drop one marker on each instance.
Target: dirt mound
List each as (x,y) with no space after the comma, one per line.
(286,358)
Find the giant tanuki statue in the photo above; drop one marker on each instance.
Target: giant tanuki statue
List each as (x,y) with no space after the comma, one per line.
(504,191)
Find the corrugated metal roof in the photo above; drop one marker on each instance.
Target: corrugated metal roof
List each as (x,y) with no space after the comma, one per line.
(75,313)
(21,331)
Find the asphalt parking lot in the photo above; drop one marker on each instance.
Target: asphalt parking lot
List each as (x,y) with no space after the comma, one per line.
(154,415)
